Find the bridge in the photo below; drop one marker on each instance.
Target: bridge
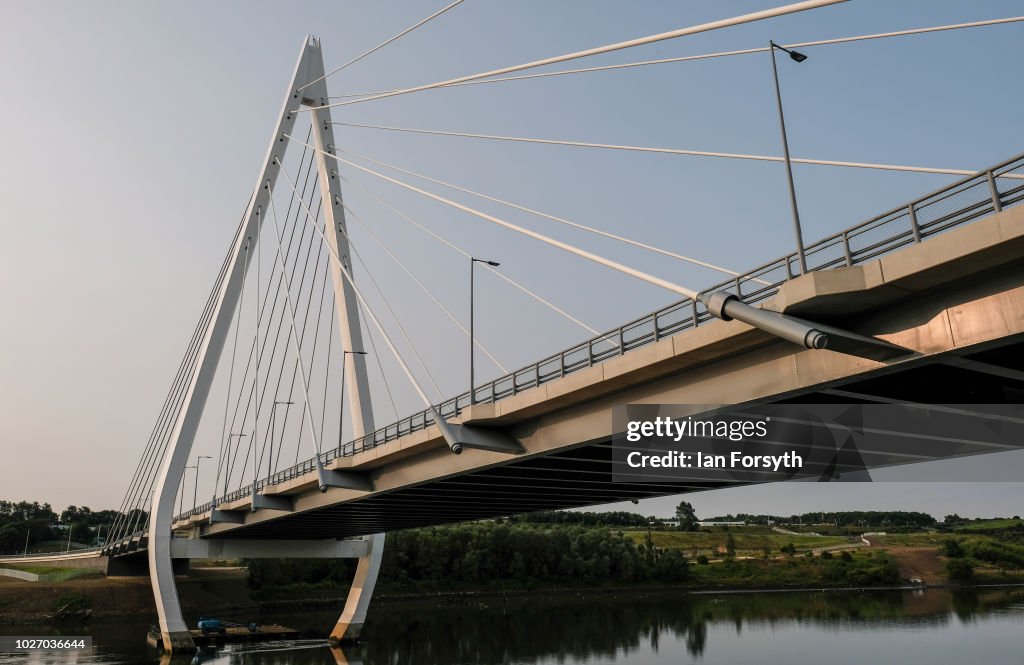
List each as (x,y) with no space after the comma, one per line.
(922,303)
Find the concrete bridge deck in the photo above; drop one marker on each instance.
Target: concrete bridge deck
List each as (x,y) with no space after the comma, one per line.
(957,301)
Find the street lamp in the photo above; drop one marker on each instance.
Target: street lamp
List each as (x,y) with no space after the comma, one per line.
(472,340)
(195,490)
(795,57)
(181,487)
(341,414)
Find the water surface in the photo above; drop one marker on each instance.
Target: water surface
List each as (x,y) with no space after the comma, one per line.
(793,628)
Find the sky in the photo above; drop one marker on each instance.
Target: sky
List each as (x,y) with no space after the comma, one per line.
(135,132)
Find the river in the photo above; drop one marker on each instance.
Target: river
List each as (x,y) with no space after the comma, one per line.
(934,626)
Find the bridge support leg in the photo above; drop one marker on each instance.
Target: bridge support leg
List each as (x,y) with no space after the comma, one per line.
(350,623)
(199,379)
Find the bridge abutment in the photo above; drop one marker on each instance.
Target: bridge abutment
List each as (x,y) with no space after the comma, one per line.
(350,623)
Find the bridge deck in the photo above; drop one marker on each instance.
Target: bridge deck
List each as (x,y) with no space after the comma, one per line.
(957,300)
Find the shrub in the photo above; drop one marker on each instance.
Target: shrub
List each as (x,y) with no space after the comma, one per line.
(952,548)
(959,570)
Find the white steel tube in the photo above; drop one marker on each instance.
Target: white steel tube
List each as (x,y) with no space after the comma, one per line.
(609,48)
(590,256)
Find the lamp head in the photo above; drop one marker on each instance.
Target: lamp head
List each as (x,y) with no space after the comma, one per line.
(797,56)
(493,263)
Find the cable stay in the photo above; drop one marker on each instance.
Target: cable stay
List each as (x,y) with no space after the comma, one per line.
(667,151)
(608,48)
(366,307)
(382,44)
(467,255)
(456,436)
(553,218)
(305,267)
(294,333)
(369,311)
(139,489)
(232,458)
(398,321)
(572,249)
(719,54)
(298,359)
(309,309)
(305,264)
(424,287)
(302,333)
(380,368)
(224,442)
(257,344)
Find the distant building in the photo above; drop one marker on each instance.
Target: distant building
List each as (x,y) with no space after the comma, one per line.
(721,523)
(668,521)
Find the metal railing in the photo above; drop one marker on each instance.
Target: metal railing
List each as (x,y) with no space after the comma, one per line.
(63,554)
(964,201)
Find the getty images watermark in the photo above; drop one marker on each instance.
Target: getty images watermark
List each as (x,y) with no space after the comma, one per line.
(676,430)
(714,445)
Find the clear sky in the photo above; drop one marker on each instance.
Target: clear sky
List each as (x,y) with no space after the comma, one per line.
(134,133)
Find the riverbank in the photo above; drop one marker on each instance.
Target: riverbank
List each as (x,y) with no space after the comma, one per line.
(225,592)
(479,561)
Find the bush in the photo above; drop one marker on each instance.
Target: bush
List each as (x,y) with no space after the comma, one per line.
(846,556)
(1001,554)
(952,548)
(826,555)
(959,570)
(702,560)
(788,548)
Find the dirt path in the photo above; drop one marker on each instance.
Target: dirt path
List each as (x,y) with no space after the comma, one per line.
(924,563)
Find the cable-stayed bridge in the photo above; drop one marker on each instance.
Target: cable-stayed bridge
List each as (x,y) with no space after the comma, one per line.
(921,304)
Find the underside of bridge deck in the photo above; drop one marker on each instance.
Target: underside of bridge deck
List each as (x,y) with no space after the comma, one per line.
(582,476)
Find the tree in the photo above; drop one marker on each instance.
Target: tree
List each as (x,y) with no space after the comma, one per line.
(730,546)
(687,517)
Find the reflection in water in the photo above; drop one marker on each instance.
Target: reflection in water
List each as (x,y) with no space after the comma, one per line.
(670,628)
(619,629)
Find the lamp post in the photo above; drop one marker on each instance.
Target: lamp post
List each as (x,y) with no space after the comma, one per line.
(472,339)
(795,57)
(273,412)
(181,488)
(195,490)
(341,415)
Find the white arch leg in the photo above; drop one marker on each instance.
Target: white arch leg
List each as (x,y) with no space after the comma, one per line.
(174,632)
(350,623)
